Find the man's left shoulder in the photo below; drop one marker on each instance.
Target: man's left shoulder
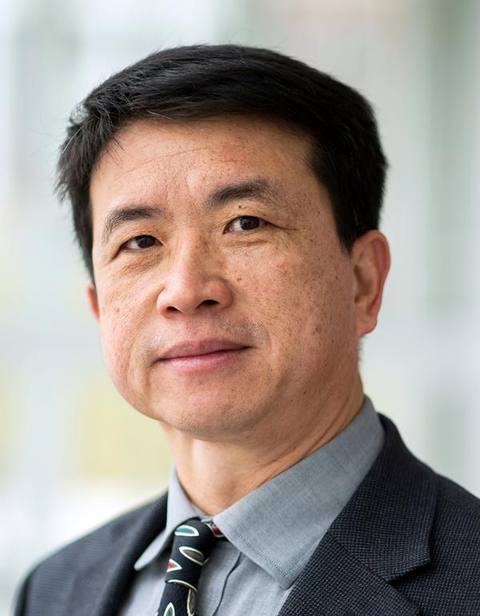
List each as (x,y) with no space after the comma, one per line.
(410,530)
(456,527)
(448,513)
(441,521)
(449,582)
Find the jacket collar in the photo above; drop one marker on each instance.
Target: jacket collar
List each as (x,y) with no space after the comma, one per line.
(381,535)
(101,589)
(401,526)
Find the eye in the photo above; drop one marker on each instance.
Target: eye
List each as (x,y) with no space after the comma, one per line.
(141,242)
(246,223)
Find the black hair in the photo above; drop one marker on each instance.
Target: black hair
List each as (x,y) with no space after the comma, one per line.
(204,81)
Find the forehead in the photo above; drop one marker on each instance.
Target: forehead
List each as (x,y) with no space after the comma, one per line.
(201,149)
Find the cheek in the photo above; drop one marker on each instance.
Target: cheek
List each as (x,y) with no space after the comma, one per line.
(306,304)
(122,312)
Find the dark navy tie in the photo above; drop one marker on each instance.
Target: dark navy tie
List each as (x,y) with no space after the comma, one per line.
(192,543)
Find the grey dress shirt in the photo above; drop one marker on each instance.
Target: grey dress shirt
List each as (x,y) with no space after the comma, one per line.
(272,532)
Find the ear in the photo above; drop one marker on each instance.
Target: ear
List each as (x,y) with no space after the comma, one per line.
(93,300)
(371,262)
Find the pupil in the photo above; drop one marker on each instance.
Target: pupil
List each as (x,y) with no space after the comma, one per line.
(248,222)
(145,241)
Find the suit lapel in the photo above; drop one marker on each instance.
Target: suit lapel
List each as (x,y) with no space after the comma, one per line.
(381,535)
(336,584)
(100,589)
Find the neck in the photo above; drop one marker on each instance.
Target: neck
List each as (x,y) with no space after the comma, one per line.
(215,474)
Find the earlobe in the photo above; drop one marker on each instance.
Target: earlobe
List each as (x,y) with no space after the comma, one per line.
(93,300)
(371,261)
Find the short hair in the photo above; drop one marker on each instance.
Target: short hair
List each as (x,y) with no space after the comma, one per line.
(204,81)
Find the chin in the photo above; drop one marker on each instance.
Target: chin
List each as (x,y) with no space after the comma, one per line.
(216,420)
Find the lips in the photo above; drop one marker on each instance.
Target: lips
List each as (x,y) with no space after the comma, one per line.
(200,348)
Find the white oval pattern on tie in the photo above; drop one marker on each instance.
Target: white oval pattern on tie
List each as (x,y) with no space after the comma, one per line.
(191,603)
(196,556)
(186,531)
(169,610)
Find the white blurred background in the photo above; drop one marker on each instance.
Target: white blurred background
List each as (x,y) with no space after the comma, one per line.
(72,453)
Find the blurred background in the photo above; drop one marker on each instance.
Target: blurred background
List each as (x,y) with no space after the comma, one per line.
(72,453)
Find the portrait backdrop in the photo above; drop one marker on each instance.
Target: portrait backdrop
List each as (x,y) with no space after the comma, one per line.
(72,452)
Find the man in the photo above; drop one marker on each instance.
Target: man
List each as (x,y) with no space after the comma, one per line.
(226,201)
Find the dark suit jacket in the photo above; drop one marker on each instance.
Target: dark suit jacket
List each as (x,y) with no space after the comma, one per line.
(408,542)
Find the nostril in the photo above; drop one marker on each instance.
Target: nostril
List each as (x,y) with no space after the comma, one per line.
(188,295)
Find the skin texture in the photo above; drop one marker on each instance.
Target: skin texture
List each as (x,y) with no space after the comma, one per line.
(235,319)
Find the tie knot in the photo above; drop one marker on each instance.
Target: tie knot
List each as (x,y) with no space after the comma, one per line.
(192,543)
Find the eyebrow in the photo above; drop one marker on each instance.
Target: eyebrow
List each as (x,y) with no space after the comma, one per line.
(251,189)
(127,214)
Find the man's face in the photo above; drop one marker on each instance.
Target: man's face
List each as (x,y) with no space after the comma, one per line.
(226,302)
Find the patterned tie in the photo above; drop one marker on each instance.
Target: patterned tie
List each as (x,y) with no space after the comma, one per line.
(192,544)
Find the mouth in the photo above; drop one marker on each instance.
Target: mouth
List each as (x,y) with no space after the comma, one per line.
(202,356)
(197,349)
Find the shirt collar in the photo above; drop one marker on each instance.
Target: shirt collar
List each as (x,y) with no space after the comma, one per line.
(179,509)
(279,525)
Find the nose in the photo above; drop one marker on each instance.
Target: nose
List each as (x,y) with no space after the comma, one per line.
(195,280)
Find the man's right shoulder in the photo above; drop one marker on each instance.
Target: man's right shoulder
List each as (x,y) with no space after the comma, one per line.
(94,544)
(55,574)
